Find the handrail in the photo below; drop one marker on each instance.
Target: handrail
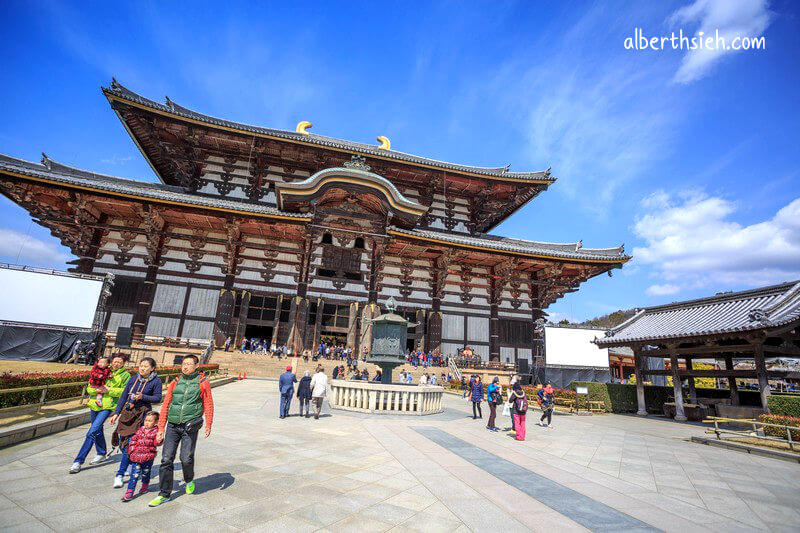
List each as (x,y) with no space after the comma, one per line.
(454,368)
(718,430)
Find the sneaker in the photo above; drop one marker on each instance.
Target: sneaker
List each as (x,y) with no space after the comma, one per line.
(158,500)
(117,482)
(144,489)
(97,459)
(75,468)
(190,487)
(128,496)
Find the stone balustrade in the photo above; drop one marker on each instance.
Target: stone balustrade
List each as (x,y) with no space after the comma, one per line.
(379,398)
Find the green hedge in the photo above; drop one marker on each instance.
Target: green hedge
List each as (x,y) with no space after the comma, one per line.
(621,398)
(35,379)
(784,405)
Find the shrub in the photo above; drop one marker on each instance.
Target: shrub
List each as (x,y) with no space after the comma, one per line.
(35,379)
(785,405)
(782,421)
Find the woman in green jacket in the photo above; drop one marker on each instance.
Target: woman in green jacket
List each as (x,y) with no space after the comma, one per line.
(111,392)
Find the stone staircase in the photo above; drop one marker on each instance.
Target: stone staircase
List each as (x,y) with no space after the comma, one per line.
(257,365)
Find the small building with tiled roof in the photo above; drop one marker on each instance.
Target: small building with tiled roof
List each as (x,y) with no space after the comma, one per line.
(757,324)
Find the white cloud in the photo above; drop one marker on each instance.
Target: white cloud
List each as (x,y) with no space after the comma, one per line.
(16,247)
(662,290)
(732,18)
(116,160)
(693,241)
(600,116)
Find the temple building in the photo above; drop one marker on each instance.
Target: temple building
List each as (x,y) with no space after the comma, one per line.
(298,237)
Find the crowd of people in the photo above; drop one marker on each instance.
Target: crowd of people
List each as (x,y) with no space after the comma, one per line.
(127,403)
(256,345)
(516,405)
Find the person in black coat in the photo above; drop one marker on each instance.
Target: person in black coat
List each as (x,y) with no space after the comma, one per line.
(304,393)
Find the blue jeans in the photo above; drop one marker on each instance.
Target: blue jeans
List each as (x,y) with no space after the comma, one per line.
(94,437)
(139,470)
(124,462)
(286,400)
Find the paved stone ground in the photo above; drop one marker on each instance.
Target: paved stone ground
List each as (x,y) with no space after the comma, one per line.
(352,472)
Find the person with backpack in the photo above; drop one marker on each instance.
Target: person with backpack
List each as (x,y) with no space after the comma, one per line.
(494,396)
(548,403)
(519,408)
(187,401)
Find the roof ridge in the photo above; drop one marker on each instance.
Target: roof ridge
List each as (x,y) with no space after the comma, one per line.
(724,297)
(170,106)
(784,300)
(520,245)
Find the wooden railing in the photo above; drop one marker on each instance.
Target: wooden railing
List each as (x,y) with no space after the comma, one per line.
(756,431)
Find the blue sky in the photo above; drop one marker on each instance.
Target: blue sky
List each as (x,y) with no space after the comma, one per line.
(690,159)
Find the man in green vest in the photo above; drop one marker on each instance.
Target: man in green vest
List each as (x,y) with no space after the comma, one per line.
(187,400)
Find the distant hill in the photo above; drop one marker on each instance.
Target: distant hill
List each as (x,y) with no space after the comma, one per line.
(610,320)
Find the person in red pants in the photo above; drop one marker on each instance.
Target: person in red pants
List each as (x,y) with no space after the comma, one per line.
(519,408)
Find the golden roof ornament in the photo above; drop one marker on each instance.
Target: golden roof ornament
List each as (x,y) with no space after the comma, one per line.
(386,144)
(302,126)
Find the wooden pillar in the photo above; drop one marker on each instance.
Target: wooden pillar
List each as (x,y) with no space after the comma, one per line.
(352,326)
(732,381)
(638,362)
(761,372)
(692,390)
(434,328)
(298,316)
(494,332)
(370,311)
(242,324)
(419,342)
(317,325)
(277,323)
(223,321)
(680,416)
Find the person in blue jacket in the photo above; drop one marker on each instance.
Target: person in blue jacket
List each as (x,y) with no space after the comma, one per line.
(494,395)
(137,399)
(476,395)
(286,386)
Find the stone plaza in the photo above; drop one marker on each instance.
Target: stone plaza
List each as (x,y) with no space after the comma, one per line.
(350,471)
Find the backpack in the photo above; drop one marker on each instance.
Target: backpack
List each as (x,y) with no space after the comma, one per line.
(521,404)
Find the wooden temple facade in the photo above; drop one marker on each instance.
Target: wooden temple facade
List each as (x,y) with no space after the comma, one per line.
(297,237)
(754,326)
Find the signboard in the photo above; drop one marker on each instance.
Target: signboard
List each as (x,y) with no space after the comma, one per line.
(581,390)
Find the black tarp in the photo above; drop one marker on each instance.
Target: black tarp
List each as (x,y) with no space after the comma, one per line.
(40,343)
(561,376)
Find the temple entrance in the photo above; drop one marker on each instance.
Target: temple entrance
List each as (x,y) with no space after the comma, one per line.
(333,338)
(254,331)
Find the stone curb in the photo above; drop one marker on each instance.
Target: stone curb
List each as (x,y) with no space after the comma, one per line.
(39,428)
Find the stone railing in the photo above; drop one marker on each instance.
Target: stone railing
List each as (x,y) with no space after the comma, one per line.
(379,398)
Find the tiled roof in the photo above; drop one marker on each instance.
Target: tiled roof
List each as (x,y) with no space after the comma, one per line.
(731,312)
(174,109)
(494,242)
(57,172)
